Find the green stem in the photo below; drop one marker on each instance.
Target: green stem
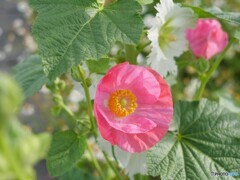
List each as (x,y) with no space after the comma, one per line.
(131,53)
(89,103)
(112,166)
(113,153)
(71,114)
(205,77)
(68,111)
(95,162)
(7,151)
(141,47)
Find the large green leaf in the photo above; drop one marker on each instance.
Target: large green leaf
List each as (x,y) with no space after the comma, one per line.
(206,140)
(65,151)
(69,31)
(29,75)
(227,16)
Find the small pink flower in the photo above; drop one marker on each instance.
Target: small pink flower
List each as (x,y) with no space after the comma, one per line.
(133,107)
(207,39)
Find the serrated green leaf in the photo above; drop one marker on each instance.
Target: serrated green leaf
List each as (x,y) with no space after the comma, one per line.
(200,12)
(69,31)
(65,151)
(227,16)
(99,67)
(77,174)
(207,139)
(29,75)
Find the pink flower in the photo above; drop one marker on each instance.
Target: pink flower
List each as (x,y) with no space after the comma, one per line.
(133,107)
(207,39)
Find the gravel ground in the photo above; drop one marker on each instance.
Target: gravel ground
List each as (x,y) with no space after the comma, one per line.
(14,33)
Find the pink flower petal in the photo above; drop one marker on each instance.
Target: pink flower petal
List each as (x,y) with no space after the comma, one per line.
(131,142)
(207,39)
(149,122)
(130,124)
(126,76)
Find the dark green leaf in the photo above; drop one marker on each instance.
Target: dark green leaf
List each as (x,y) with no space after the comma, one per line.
(227,16)
(69,31)
(200,12)
(65,151)
(29,75)
(207,139)
(99,67)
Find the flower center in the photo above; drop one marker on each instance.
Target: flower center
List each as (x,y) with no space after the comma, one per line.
(122,103)
(166,35)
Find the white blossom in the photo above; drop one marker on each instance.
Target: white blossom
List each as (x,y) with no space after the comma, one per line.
(167,36)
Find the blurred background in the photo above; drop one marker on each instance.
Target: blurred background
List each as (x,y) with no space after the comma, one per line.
(17,43)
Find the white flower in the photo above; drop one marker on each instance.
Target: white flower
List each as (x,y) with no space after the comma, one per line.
(132,163)
(75,96)
(167,35)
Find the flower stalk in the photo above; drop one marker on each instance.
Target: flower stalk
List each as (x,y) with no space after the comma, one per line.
(88,99)
(112,166)
(131,53)
(206,77)
(95,162)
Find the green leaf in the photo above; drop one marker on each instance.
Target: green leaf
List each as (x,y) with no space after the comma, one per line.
(200,12)
(77,174)
(227,16)
(145,2)
(29,75)
(69,31)
(237,34)
(99,67)
(65,151)
(206,139)
(201,65)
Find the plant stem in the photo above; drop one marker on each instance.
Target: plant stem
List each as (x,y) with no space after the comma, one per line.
(71,114)
(89,103)
(131,53)
(95,162)
(205,77)
(7,151)
(140,48)
(112,166)
(113,153)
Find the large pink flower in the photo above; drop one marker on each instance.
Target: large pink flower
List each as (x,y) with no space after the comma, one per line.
(133,107)
(207,39)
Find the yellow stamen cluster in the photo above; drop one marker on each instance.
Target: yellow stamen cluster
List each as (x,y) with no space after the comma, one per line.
(122,103)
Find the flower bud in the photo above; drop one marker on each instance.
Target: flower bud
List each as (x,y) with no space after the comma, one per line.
(207,39)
